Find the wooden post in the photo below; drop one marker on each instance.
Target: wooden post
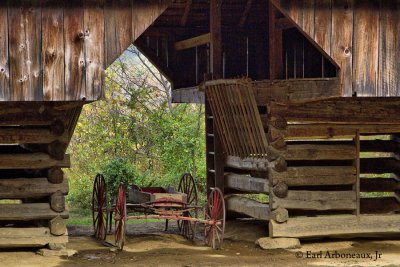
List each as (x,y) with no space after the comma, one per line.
(357,165)
(275,45)
(216,70)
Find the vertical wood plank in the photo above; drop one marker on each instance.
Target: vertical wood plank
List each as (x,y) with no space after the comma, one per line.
(323,24)
(366,28)
(308,17)
(53,50)
(94,48)
(275,46)
(4,67)
(342,42)
(389,52)
(25,51)
(75,83)
(118,29)
(144,13)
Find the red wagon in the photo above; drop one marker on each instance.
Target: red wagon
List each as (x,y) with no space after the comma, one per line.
(159,203)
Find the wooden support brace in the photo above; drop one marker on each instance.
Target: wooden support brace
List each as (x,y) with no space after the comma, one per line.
(193,42)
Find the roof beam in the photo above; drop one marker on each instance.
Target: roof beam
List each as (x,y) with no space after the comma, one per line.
(193,42)
(186,13)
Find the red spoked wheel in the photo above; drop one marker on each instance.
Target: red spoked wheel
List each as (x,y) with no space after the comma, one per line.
(187,185)
(120,217)
(215,214)
(99,207)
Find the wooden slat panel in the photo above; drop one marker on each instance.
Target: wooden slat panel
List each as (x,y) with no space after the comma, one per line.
(31,161)
(25,50)
(323,24)
(316,200)
(75,83)
(28,212)
(4,66)
(118,29)
(389,52)
(366,28)
(94,48)
(53,50)
(339,225)
(342,41)
(30,188)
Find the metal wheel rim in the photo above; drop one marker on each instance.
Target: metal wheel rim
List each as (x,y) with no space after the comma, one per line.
(215,211)
(120,217)
(187,185)
(99,207)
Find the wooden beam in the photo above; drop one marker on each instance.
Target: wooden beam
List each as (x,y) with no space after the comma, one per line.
(246,12)
(185,16)
(30,188)
(253,164)
(284,24)
(379,185)
(32,161)
(316,200)
(247,207)
(379,205)
(340,110)
(188,95)
(29,237)
(193,42)
(312,176)
(18,135)
(327,130)
(379,165)
(29,212)
(320,152)
(338,225)
(295,91)
(246,183)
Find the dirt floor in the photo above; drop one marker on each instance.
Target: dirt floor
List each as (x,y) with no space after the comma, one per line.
(148,245)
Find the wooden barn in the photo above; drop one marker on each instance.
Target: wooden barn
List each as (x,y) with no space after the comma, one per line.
(302,103)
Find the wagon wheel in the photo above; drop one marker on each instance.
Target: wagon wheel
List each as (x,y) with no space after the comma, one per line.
(120,217)
(188,186)
(215,213)
(99,207)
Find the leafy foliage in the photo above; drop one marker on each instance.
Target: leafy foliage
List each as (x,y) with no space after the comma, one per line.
(137,135)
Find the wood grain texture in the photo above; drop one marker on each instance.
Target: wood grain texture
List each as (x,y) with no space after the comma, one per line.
(308,17)
(118,29)
(94,48)
(4,66)
(342,42)
(25,51)
(75,83)
(53,50)
(144,13)
(323,24)
(29,237)
(389,49)
(366,28)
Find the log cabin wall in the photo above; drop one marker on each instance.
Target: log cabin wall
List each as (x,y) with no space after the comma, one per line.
(360,36)
(58,50)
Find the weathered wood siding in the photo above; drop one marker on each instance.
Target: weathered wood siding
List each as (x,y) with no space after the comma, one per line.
(361,37)
(58,50)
